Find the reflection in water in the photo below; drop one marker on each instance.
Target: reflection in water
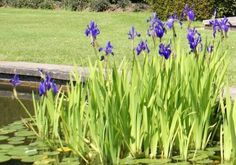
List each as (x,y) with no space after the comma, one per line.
(11,110)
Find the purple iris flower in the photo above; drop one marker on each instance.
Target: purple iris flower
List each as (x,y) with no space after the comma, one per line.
(15,81)
(210,49)
(142,46)
(92,30)
(171,20)
(165,50)
(188,11)
(221,26)
(194,38)
(46,84)
(159,31)
(54,87)
(108,49)
(153,19)
(156,27)
(48,81)
(42,88)
(132,33)
(216,26)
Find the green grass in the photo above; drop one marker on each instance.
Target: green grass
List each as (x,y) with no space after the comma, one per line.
(47,36)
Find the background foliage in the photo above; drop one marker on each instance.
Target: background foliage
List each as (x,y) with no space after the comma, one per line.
(202,8)
(226,7)
(95,5)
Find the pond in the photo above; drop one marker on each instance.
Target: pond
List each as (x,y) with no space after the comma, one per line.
(18,144)
(11,110)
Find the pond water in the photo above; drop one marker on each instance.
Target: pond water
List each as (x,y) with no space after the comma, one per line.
(11,110)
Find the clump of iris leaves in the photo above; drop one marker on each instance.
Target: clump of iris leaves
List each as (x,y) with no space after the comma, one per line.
(157,106)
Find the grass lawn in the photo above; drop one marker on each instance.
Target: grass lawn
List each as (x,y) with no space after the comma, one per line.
(47,36)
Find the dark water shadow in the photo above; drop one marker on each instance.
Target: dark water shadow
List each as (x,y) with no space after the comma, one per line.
(10,108)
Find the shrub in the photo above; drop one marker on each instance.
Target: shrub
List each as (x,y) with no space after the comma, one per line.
(100,5)
(120,3)
(1,3)
(226,7)
(75,5)
(123,3)
(202,8)
(48,4)
(23,3)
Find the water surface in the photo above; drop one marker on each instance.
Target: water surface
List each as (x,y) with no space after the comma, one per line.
(10,108)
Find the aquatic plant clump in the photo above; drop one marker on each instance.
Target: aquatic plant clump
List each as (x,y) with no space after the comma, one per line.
(163,106)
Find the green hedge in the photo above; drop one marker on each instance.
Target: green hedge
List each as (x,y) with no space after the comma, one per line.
(96,5)
(45,4)
(203,8)
(226,7)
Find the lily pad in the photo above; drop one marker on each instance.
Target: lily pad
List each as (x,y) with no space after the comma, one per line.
(16,157)
(16,138)
(27,120)
(31,152)
(22,151)
(4,158)
(3,138)
(177,158)
(38,143)
(6,131)
(199,157)
(19,122)
(146,161)
(207,152)
(71,163)
(217,148)
(41,146)
(32,159)
(24,133)
(3,151)
(44,162)
(16,127)
(16,142)
(70,159)
(31,137)
(22,147)
(178,163)
(6,146)
(17,153)
(215,157)
(205,161)
(53,153)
